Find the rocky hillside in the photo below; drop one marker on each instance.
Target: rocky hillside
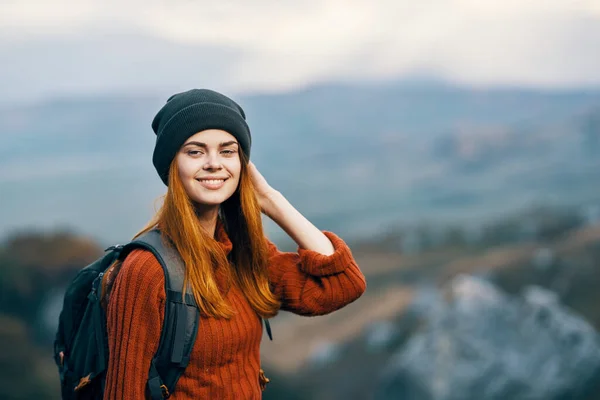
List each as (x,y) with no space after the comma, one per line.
(346,354)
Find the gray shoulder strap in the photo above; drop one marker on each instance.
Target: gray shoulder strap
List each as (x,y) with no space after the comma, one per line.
(166,255)
(181,318)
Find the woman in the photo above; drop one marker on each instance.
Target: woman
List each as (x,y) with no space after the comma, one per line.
(212,216)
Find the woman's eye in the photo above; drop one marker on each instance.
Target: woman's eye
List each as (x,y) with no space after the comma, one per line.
(194,152)
(229,152)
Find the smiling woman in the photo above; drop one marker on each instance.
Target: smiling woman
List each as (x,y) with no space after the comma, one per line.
(211,217)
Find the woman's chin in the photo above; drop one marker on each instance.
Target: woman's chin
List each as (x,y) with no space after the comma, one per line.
(212,200)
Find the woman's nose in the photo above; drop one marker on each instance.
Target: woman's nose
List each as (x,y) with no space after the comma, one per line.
(212,161)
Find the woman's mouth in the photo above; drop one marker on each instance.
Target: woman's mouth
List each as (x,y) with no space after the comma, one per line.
(212,184)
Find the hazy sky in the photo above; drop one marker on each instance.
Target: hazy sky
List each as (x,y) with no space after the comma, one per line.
(80,46)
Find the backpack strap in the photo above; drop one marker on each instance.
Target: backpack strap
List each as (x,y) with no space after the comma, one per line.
(181,318)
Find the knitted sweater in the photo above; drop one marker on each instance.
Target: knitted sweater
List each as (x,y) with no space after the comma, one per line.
(225,359)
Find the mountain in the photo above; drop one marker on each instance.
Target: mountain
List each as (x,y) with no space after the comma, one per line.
(355,159)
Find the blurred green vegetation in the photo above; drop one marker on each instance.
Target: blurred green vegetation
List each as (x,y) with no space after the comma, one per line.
(34,265)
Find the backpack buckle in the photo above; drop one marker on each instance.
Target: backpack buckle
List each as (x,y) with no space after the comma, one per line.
(165,391)
(86,380)
(263,380)
(114,247)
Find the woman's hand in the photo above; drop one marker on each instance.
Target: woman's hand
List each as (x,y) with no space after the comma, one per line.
(264,192)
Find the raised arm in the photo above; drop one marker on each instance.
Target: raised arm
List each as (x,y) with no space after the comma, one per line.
(310,283)
(322,276)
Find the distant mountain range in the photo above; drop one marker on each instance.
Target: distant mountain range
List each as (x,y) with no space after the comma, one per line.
(355,159)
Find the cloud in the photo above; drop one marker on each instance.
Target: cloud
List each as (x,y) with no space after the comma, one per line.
(105,64)
(275,45)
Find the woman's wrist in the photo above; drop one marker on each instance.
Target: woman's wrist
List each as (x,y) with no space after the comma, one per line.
(273,204)
(300,229)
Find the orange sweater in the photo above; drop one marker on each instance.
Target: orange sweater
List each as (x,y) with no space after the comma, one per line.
(225,360)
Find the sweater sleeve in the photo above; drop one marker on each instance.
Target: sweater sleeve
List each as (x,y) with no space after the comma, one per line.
(134,320)
(310,283)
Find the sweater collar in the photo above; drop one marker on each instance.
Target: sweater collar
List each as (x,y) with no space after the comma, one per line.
(222,237)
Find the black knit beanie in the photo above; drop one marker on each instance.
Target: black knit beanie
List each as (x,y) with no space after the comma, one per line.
(188,113)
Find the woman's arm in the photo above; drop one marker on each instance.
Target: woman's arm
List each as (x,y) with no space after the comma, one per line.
(300,229)
(275,206)
(323,275)
(134,319)
(310,283)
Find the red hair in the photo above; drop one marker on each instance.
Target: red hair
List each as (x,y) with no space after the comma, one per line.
(202,255)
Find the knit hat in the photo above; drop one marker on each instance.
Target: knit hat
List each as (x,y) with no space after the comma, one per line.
(188,113)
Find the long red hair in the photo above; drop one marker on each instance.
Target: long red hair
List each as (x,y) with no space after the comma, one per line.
(202,255)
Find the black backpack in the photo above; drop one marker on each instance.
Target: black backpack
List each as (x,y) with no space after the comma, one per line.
(82,334)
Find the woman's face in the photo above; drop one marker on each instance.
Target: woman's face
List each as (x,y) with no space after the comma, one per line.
(209,166)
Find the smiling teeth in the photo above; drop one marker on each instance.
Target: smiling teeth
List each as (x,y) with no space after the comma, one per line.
(213,181)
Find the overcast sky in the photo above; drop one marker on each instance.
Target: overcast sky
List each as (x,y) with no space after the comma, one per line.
(58,47)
